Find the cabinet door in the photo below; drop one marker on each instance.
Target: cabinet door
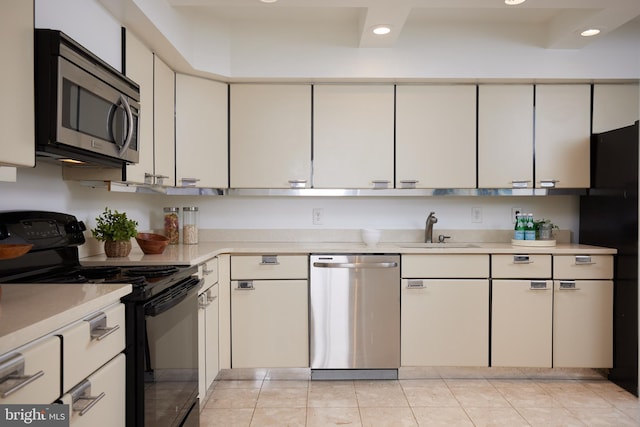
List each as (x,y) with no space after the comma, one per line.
(436,136)
(163,123)
(108,410)
(269,324)
(563,132)
(445,322)
(201,132)
(521,323)
(583,324)
(139,68)
(270,136)
(17,146)
(353,136)
(505,136)
(615,106)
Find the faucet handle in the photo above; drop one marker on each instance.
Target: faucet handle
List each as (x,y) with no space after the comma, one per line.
(442,237)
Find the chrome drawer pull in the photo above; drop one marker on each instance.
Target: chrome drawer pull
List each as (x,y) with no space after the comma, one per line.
(12,369)
(538,286)
(408,183)
(415,284)
(568,286)
(207,272)
(245,286)
(584,260)
(98,326)
(94,400)
(297,183)
(548,183)
(82,392)
(522,259)
(520,183)
(380,183)
(269,260)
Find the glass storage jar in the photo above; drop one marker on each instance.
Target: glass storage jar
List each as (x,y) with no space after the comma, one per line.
(172,225)
(190,225)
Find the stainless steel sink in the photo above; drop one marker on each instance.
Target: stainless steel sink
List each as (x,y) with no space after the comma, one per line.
(437,245)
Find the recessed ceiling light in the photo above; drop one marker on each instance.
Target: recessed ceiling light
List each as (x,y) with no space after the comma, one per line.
(381,30)
(513,2)
(590,32)
(268,1)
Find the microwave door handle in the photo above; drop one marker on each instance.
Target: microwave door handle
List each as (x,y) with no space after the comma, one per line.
(127,141)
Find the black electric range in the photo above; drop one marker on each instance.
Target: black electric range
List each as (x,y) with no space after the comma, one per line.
(161,312)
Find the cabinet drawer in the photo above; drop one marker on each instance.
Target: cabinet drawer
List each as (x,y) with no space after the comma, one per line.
(445,266)
(583,267)
(521,266)
(100,399)
(209,271)
(85,347)
(269,267)
(33,373)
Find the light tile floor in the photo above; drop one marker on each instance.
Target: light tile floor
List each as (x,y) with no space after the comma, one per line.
(421,397)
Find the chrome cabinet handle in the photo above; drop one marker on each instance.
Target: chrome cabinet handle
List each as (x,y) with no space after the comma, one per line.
(522,259)
(98,326)
(583,260)
(245,285)
(12,369)
(269,260)
(93,401)
(415,284)
(408,183)
(189,182)
(548,183)
(380,183)
(297,183)
(538,286)
(568,285)
(520,183)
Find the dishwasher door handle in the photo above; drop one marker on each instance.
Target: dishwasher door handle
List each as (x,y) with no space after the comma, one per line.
(355,264)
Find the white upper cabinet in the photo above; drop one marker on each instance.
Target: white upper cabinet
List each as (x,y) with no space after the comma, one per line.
(139,68)
(201,132)
(270,136)
(505,136)
(353,136)
(562,133)
(615,106)
(16,85)
(164,123)
(436,136)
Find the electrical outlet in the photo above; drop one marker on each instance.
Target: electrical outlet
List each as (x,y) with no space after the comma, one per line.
(318,216)
(514,212)
(476,214)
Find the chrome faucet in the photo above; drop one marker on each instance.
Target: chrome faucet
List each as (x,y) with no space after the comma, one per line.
(428,230)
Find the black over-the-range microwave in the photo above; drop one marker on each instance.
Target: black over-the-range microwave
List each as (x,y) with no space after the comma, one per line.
(87,112)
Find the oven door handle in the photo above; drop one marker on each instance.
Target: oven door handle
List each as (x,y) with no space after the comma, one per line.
(167,302)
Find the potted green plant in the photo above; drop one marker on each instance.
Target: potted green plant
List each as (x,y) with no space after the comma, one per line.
(544,229)
(115,230)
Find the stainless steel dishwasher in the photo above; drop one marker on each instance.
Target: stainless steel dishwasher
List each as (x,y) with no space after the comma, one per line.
(354,316)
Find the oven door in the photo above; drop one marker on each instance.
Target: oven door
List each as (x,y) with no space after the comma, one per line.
(171,355)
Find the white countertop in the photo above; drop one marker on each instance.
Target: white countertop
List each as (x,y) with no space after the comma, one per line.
(196,254)
(28,312)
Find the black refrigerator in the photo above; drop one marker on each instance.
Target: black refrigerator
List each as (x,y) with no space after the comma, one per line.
(609,217)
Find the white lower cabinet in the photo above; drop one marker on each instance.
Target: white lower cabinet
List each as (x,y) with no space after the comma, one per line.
(31,374)
(445,322)
(521,323)
(208,328)
(583,324)
(269,324)
(99,400)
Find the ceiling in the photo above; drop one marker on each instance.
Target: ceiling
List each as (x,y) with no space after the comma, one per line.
(559,22)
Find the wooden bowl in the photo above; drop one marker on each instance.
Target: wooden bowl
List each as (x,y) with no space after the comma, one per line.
(152,243)
(14,251)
